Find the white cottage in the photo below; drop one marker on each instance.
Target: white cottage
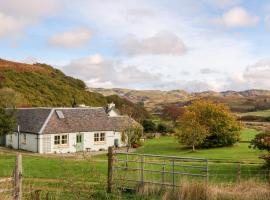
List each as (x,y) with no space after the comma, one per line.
(68,130)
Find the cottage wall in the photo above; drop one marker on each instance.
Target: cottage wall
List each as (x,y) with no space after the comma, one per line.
(30,144)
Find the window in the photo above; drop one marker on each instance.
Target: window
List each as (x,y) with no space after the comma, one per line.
(96,137)
(102,137)
(60,139)
(99,137)
(24,139)
(64,139)
(79,138)
(60,114)
(57,139)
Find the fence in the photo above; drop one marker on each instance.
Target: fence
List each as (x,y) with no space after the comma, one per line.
(15,180)
(129,170)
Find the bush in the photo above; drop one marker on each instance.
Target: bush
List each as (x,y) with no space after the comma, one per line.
(165,128)
(262,142)
(149,126)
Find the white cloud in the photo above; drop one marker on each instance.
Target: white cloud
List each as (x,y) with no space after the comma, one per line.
(237,17)
(16,15)
(254,76)
(208,71)
(163,42)
(98,72)
(10,25)
(71,39)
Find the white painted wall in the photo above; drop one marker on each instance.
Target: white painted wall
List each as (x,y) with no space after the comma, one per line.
(45,143)
(30,145)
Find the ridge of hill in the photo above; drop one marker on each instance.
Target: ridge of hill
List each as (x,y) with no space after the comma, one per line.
(41,85)
(154,100)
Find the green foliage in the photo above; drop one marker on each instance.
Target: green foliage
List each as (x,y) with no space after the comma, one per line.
(7,121)
(149,126)
(51,89)
(221,125)
(165,127)
(262,142)
(136,111)
(132,134)
(192,132)
(42,85)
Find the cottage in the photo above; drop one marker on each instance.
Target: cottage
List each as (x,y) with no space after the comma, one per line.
(67,130)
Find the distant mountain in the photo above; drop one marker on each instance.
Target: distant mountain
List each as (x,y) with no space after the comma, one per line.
(154,100)
(42,85)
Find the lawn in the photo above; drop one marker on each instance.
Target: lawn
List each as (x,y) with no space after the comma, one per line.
(52,173)
(263,113)
(168,145)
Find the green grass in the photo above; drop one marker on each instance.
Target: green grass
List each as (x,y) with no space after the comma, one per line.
(263,113)
(239,152)
(53,173)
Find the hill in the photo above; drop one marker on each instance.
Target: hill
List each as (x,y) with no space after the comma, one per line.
(154,100)
(42,85)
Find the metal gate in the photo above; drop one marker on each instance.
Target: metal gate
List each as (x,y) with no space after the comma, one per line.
(132,169)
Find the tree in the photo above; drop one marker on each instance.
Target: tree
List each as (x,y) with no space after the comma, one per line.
(132,134)
(192,133)
(165,127)
(172,112)
(149,126)
(7,121)
(262,142)
(221,125)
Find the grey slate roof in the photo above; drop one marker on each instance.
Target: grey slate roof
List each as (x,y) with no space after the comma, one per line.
(46,120)
(31,120)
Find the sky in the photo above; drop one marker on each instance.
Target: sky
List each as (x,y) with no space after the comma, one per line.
(194,45)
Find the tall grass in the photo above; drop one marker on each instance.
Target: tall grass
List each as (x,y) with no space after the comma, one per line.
(248,190)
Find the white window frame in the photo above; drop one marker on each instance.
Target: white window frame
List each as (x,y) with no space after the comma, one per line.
(79,135)
(60,138)
(99,139)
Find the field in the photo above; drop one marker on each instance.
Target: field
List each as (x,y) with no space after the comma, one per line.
(76,174)
(264,113)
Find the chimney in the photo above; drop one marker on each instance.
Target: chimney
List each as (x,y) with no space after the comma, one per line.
(111,106)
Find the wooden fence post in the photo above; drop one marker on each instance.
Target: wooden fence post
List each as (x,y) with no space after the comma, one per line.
(239,172)
(18,178)
(110,169)
(173,175)
(142,170)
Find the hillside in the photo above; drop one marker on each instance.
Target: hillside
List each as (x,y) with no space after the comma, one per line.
(153,100)
(42,85)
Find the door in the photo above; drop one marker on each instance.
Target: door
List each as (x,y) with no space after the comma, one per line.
(116,143)
(79,142)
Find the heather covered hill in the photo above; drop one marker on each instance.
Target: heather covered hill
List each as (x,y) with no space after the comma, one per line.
(42,85)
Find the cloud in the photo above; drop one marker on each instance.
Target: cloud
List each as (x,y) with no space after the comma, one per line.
(16,15)
(161,43)
(71,39)
(98,72)
(208,71)
(254,76)
(10,25)
(237,17)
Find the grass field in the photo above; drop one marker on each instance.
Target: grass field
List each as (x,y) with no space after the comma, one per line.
(239,152)
(264,113)
(52,173)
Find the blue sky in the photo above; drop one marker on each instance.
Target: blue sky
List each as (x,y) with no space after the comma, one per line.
(174,44)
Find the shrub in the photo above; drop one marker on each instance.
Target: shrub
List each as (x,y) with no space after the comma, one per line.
(149,126)
(262,142)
